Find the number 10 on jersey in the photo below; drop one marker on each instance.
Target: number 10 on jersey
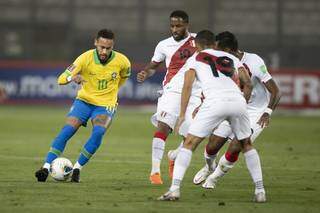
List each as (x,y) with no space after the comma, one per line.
(102,84)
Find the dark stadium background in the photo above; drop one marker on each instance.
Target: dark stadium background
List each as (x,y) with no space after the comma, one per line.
(39,38)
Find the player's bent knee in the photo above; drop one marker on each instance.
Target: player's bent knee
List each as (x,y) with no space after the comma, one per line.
(164,128)
(74,122)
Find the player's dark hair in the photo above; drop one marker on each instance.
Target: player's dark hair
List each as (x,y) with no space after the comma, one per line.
(205,38)
(105,33)
(180,14)
(227,39)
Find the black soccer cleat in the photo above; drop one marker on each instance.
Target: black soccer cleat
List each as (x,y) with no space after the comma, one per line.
(75,176)
(42,174)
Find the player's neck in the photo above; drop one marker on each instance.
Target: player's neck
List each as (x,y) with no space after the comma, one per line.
(239,54)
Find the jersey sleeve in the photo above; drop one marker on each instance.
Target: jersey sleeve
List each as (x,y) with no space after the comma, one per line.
(158,55)
(74,69)
(261,71)
(125,71)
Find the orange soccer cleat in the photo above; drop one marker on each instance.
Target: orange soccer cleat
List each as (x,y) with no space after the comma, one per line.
(171,167)
(156,179)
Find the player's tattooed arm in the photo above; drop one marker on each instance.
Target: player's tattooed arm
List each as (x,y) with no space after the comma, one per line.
(275,93)
(275,96)
(245,82)
(148,71)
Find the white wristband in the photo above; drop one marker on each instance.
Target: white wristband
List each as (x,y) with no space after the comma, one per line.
(69,78)
(268,110)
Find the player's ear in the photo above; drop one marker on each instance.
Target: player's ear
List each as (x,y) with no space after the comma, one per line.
(95,42)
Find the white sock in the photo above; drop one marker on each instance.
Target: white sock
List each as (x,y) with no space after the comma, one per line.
(157,153)
(180,167)
(223,167)
(173,154)
(46,165)
(77,166)
(254,166)
(210,160)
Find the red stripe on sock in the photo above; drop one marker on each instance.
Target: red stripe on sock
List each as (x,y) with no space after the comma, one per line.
(231,157)
(160,135)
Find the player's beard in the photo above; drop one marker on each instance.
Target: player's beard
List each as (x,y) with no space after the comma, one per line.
(104,59)
(178,37)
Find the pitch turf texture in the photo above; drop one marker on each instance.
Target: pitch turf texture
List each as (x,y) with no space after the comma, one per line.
(116,179)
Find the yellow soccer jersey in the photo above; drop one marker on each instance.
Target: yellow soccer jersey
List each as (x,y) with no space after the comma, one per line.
(102,81)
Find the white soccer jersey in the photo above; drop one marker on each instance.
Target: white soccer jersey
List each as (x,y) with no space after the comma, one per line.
(174,53)
(259,74)
(213,82)
(176,83)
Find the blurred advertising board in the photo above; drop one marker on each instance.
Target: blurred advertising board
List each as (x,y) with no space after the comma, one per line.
(36,83)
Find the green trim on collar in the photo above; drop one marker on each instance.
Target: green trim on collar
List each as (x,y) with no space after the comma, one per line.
(96,58)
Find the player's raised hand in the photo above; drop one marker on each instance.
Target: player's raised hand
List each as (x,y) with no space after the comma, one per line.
(142,76)
(78,79)
(264,120)
(179,122)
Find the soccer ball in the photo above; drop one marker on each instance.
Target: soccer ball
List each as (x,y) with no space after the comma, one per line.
(61,169)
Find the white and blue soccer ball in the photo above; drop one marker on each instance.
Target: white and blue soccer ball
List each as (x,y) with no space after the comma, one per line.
(61,169)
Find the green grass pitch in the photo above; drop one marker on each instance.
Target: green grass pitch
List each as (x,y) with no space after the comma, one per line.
(116,179)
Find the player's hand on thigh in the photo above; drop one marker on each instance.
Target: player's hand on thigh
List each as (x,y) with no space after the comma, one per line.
(264,120)
(179,122)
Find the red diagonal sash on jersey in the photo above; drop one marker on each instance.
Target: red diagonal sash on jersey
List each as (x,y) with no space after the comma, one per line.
(179,58)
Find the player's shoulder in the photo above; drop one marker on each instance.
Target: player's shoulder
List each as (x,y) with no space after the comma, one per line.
(193,35)
(252,58)
(87,53)
(166,41)
(121,57)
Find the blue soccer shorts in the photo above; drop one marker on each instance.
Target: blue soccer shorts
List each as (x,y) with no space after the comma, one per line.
(85,111)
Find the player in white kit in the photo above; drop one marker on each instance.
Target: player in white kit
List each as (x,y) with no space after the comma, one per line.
(216,71)
(264,98)
(175,51)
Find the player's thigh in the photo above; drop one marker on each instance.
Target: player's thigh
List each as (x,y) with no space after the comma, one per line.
(223,130)
(194,103)
(167,110)
(210,115)
(255,127)
(102,116)
(240,121)
(79,113)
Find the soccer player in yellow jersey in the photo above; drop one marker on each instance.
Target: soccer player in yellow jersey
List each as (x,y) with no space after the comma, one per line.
(100,72)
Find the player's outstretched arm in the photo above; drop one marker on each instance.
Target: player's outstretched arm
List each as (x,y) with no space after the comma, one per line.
(148,71)
(245,82)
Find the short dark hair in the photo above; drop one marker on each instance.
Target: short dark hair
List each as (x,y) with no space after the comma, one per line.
(227,39)
(180,14)
(205,38)
(105,33)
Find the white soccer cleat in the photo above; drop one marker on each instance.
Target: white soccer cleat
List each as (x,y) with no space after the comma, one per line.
(170,196)
(201,175)
(260,197)
(210,183)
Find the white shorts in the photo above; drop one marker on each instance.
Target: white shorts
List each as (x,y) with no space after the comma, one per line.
(214,112)
(168,109)
(224,129)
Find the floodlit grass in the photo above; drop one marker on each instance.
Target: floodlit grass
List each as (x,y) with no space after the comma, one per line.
(116,179)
